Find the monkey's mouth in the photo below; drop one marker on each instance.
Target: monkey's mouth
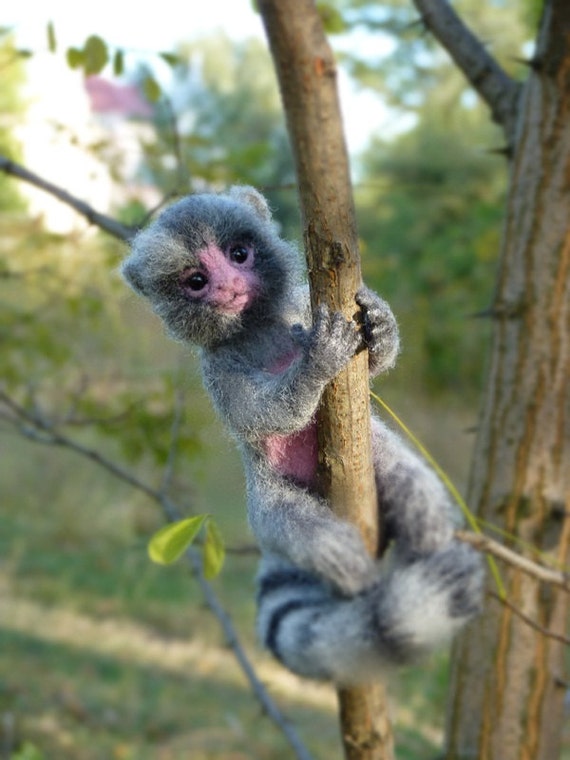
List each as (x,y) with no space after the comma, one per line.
(233,303)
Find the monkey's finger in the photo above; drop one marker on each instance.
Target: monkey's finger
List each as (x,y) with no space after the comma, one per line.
(300,335)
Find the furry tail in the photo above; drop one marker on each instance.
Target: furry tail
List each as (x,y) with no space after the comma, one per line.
(410,610)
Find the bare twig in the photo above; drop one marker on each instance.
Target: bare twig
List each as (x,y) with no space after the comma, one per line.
(498,90)
(529,621)
(36,427)
(259,690)
(181,169)
(490,546)
(171,195)
(104,222)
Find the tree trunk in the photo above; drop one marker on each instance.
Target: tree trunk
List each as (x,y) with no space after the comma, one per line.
(508,682)
(307,76)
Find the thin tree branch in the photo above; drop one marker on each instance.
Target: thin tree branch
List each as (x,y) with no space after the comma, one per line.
(259,690)
(529,621)
(494,85)
(106,223)
(490,546)
(152,211)
(37,428)
(181,168)
(306,71)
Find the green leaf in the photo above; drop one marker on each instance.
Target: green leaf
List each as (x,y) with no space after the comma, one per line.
(171,58)
(333,21)
(151,89)
(52,42)
(214,551)
(171,541)
(75,58)
(96,55)
(118,63)
(28,751)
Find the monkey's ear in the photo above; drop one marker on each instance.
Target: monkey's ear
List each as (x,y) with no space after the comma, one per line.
(132,274)
(253,198)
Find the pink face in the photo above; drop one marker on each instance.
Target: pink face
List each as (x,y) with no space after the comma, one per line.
(224,278)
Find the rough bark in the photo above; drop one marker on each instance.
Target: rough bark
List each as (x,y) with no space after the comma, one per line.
(307,74)
(508,684)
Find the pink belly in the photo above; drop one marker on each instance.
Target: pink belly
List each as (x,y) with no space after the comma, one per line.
(295,455)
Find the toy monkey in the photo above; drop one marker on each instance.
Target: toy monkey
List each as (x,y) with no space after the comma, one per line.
(215,270)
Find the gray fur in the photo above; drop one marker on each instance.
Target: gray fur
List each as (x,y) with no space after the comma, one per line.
(337,614)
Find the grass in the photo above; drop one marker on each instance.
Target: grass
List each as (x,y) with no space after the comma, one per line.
(104,655)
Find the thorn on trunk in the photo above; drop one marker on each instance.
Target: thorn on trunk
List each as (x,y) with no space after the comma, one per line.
(505,150)
(535,62)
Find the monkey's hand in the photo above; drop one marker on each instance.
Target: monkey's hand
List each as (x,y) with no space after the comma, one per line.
(379,331)
(328,345)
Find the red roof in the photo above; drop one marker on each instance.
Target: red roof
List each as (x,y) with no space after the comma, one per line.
(108,97)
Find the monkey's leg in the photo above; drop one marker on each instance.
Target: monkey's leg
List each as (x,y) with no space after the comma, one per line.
(296,525)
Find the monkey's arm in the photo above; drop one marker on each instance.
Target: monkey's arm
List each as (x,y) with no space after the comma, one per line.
(256,402)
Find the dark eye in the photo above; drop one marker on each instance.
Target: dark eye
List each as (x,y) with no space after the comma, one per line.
(239,253)
(195,281)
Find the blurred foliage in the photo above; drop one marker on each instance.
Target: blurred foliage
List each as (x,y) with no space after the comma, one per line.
(430,217)
(221,123)
(532,12)
(429,203)
(11,110)
(28,751)
(431,198)
(408,64)
(60,329)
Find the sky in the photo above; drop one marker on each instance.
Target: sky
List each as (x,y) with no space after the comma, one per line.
(114,20)
(150,32)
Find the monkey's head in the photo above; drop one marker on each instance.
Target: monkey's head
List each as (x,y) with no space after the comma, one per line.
(210,264)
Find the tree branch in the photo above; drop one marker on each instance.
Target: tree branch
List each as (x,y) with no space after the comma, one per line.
(258,689)
(490,546)
(498,90)
(36,427)
(529,621)
(106,223)
(306,70)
